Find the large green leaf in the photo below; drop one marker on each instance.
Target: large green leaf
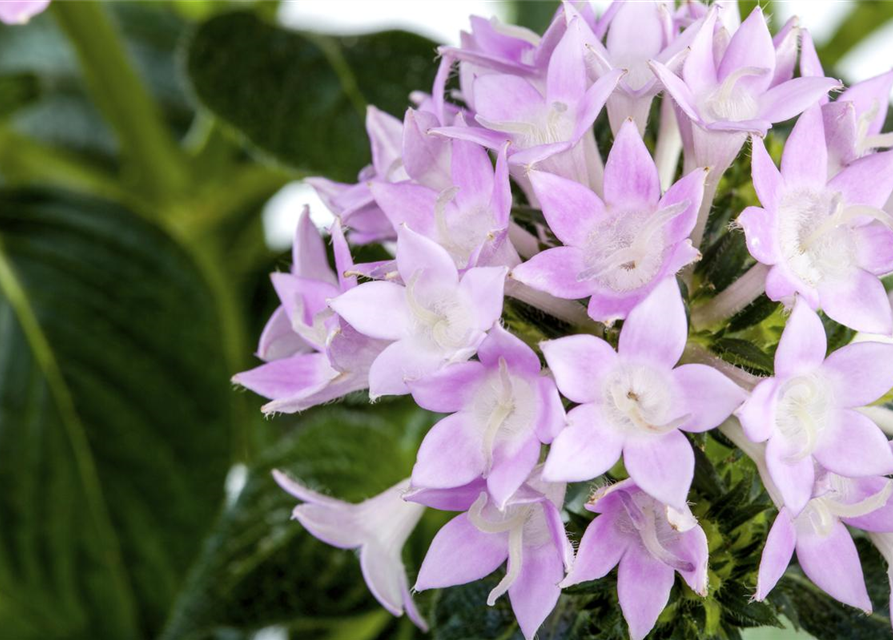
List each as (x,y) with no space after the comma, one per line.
(259,567)
(115,414)
(301,97)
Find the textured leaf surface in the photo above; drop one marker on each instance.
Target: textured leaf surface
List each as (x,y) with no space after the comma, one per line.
(114,418)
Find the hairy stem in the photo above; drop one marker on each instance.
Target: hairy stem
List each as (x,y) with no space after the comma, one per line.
(732,299)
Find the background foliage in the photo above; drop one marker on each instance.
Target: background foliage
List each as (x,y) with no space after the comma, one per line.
(138,143)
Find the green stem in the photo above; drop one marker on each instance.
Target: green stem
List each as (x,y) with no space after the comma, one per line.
(11,288)
(151,155)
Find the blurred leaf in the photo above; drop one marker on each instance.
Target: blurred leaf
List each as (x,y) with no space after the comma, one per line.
(114,418)
(863,19)
(301,97)
(259,567)
(461,613)
(534,14)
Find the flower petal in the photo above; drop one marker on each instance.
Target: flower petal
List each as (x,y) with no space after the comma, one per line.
(535,592)
(450,389)
(555,271)
(407,203)
(579,364)
(777,554)
(376,309)
(501,344)
(757,414)
(403,360)
(483,287)
(418,254)
(585,449)
(874,242)
(766,177)
(511,467)
(803,343)
(750,46)
(690,189)
(460,554)
(858,301)
(805,157)
(630,173)
(699,68)
(656,330)
(572,210)
(760,234)
(832,563)
(852,445)
(868,180)
(793,476)
(505,98)
(661,465)
(601,548)
(786,100)
(451,455)
(860,373)
(643,588)
(709,396)
(288,376)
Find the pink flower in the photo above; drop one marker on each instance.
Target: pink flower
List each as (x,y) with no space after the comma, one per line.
(21,11)
(635,402)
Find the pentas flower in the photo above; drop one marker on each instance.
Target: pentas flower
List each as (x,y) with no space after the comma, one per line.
(21,11)
(638,32)
(807,413)
(469,217)
(433,319)
(378,527)
(826,240)
(312,356)
(635,402)
(502,409)
(825,550)
(551,125)
(650,541)
(527,534)
(617,251)
(854,121)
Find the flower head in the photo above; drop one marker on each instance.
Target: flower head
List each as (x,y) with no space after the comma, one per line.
(618,250)
(650,541)
(434,318)
(807,412)
(378,527)
(502,409)
(527,534)
(827,240)
(635,402)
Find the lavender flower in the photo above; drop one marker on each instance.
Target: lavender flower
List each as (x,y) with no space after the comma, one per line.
(21,11)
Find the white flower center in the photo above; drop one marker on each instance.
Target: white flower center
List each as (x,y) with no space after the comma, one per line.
(732,100)
(550,124)
(804,409)
(627,251)
(815,236)
(822,512)
(639,398)
(441,316)
(506,406)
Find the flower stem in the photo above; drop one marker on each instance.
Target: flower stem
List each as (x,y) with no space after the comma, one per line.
(567,310)
(525,242)
(732,299)
(153,160)
(756,451)
(669,145)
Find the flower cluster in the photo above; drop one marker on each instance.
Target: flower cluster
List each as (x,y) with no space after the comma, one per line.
(606,247)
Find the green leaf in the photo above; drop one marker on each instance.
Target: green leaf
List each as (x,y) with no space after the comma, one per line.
(301,97)
(259,567)
(863,19)
(744,354)
(115,414)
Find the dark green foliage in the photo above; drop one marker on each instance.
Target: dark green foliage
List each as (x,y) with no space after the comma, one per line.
(115,414)
(302,97)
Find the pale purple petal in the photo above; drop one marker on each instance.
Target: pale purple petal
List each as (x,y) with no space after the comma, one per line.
(401,361)
(426,157)
(872,95)
(579,364)
(510,469)
(585,449)
(343,259)
(407,203)
(699,69)
(643,587)
(767,179)
(810,65)
(287,376)
(416,253)
(852,445)
(662,465)
(707,395)
(777,553)
(805,157)
(386,140)
(874,243)
(790,98)
(793,475)
(757,414)
(572,210)
(601,548)
(656,330)
(566,77)
(460,554)
(385,576)
(593,101)
(303,493)
(505,98)
(278,339)
(555,271)
(760,234)
(677,89)
(860,373)
(630,174)
(751,46)
(450,389)
(483,287)
(472,173)
(452,499)
(550,416)
(803,343)
(868,180)
(833,564)
(690,189)
(858,301)
(692,546)
(309,259)
(451,455)
(376,309)
(21,11)
(500,344)
(535,591)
